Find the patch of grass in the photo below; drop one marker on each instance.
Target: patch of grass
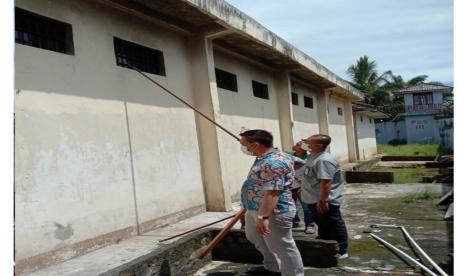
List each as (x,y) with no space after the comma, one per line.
(422,196)
(411,150)
(408,175)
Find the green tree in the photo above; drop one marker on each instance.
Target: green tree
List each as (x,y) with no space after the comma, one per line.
(365,77)
(394,82)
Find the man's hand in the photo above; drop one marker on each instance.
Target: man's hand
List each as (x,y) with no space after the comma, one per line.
(262,227)
(322,207)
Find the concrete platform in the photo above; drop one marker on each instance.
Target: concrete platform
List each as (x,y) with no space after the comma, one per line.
(107,258)
(364,204)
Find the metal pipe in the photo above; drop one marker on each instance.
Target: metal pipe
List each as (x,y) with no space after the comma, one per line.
(413,243)
(383,226)
(195,229)
(403,255)
(422,253)
(183,101)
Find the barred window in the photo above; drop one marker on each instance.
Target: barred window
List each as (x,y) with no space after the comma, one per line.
(308,102)
(295,98)
(42,32)
(339,111)
(144,58)
(260,90)
(226,80)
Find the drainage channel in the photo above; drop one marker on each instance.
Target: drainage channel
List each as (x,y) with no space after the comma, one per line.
(232,256)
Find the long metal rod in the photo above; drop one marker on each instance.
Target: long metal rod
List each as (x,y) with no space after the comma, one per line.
(222,234)
(403,255)
(413,243)
(184,102)
(195,229)
(422,253)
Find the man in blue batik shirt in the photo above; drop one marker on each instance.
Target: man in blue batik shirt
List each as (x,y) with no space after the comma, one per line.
(270,208)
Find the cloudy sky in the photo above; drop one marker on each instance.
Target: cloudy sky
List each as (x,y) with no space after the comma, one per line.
(412,37)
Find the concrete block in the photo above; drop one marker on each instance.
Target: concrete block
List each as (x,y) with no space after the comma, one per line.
(369,177)
(408,158)
(236,248)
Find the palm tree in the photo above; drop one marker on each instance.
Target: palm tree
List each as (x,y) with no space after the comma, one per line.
(365,78)
(397,82)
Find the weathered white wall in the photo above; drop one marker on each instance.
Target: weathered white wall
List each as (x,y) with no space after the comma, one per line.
(73,165)
(305,121)
(366,136)
(337,129)
(242,109)
(420,129)
(387,131)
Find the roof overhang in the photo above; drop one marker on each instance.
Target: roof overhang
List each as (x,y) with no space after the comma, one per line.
(234,30)
(373,114)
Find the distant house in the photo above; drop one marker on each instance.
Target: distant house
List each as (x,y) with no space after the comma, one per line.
(427,116)
(364,116)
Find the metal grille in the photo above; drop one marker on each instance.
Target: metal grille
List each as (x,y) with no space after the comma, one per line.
(260,90)
(308,102)
(42,32)
(144,58)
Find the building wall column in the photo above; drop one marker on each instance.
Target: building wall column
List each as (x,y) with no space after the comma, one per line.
(217,195)
(283,87)
(349,122)
(322,100)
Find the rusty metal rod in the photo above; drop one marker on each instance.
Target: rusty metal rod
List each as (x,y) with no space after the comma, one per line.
(183,101)
(222,234)
(195,229)
(403,255)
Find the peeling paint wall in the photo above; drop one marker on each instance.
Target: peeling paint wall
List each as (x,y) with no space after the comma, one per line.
(305,121)
(74,116)
(366,136)
(242,109)
(337,129)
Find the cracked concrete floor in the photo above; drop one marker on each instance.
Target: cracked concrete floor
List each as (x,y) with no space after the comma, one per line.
(367,204)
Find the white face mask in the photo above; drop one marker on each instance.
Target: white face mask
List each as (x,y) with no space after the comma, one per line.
(305,146)
(245,150)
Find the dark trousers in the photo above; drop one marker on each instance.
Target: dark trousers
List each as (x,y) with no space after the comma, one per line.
(308,216)
(331,226)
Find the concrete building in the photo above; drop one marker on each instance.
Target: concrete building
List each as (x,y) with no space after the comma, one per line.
(102,154)
(423,119)
(364,116)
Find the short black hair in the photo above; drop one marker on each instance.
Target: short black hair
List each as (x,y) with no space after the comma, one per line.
(323,139)
(260,136)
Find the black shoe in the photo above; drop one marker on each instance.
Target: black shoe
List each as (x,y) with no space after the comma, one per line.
(261,270)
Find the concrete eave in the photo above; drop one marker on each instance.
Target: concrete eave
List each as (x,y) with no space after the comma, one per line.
(373,114)
(233,19)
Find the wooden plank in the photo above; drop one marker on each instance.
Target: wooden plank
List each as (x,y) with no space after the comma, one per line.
(369,177)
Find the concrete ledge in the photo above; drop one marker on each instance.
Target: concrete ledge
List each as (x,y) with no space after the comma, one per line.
(366,165)
(236,248)
(64,253)
(369,177)
(408,158)
(177,258)
(180,257)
